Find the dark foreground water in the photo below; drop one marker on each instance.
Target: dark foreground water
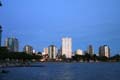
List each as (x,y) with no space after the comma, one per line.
(65,71)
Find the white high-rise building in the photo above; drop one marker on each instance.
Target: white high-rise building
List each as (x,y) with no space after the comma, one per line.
(104,51)
(45,51)
(67,47)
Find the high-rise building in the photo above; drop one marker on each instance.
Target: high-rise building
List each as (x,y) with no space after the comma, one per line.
(104,51)
(46,50)
(52,52)
(0,35)
(28,49)
(67,47)
(79,52)
(90,50)
(60,51)
(12,44)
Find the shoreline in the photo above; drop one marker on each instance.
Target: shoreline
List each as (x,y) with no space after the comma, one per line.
(12,65)
(19,65)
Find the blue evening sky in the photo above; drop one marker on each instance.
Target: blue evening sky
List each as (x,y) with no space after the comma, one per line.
(43,22)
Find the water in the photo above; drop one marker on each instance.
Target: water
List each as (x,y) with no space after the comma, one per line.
(65,71)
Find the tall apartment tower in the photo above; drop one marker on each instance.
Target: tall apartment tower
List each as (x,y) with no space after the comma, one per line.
(28,49)
(12,44)
(0,35)
(90,50)
(67,47)
(52,52)
(104,51)
(46,50)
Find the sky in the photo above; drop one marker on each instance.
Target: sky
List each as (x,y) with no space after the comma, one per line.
(41,23)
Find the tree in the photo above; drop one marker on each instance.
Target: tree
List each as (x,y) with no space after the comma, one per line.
(103,58)
(116,58)
(94,57)
(77,57)
(87,57)
(63,57)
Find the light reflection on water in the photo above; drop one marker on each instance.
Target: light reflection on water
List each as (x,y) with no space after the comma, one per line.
(65,71)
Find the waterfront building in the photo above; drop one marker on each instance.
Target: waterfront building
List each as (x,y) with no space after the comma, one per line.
(52,52)
(79,52)
(35,52)
(45,51)
(12,44)
(59,52)
(90,50)
(104,51)
(28,49)
(67,47)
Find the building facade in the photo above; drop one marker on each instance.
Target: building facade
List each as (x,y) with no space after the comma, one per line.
(104,51)
(12,44)
(52,52)
(28,49)
(79,52)
(45,51)
(67,47)
(90,50)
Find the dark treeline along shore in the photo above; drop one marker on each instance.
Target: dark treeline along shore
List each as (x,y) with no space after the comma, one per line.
(17,59)
(7,58)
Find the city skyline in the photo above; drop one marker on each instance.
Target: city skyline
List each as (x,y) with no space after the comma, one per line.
(46,22)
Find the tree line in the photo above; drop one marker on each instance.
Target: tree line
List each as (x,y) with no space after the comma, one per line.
(87,57)
(6,54)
